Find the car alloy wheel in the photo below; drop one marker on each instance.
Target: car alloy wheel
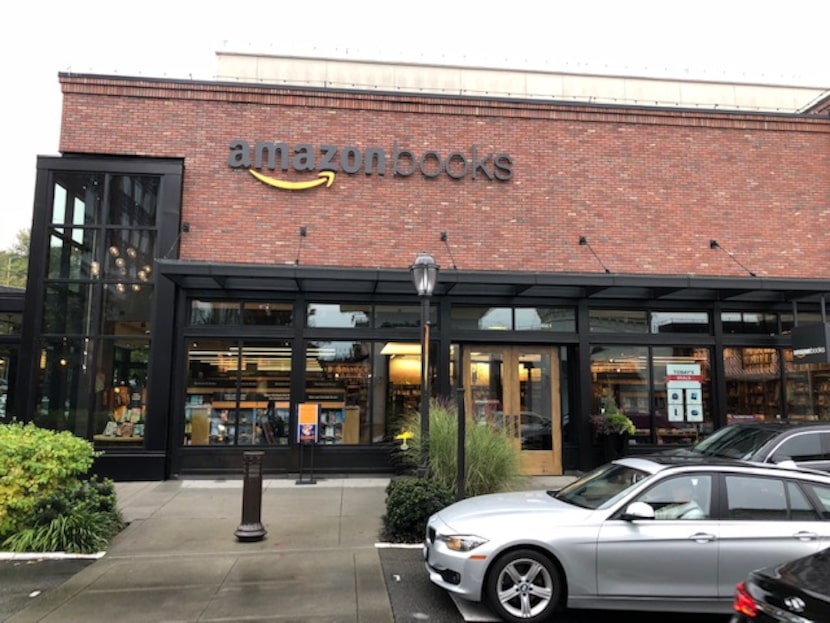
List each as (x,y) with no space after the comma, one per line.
(524,585)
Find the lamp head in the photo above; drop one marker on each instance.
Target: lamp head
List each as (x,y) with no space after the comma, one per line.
(583,241)
(424,274)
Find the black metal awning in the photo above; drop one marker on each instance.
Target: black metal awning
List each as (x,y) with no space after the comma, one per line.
(235,279)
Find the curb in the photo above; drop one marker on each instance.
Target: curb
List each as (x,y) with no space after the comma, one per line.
(49,556)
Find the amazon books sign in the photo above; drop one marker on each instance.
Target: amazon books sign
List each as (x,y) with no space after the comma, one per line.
(266,160)
(811,343)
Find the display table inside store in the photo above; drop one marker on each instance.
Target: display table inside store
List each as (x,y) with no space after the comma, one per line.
(683,436)
(675,436)
(114,439)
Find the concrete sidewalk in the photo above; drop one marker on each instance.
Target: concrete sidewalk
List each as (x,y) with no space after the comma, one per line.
(180,561)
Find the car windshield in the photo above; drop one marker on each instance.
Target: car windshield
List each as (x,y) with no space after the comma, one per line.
(735,442)
(601,487)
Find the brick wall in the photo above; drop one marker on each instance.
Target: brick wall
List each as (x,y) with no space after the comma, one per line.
(648,188)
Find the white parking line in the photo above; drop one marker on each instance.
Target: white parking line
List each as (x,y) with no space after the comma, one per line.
(474,612)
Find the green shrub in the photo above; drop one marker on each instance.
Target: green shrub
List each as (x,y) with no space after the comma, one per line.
(35,462)
(81,518)
(491,457)
(409,503)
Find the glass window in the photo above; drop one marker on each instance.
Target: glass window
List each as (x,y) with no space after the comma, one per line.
(273,314)
(337,316)
(680,322)
(799,448)
(129,255)
(601,487)
(120,391)
(397,316)
(665,391)
(10,323)
(788,320)
(8,378)
(68,308)
(97,297)
(737,442)
(265,382)
(752,384)
(545,319)
(759,499)
(682,394)
(822,495)
(77,198)
(338,378)
(808,389)
(71,254)
(237,393)
(617,321)
(65,384)
(214,313)
(800,507)
(133,200)
(684,497)
(621,383)
(749,323)
(481,318)
(126,309)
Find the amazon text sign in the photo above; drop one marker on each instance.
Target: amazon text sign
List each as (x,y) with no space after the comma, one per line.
(398,161)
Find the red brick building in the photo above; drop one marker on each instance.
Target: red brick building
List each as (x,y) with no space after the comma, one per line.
(209,256)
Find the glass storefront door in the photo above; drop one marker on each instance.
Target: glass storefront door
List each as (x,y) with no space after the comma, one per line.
(517,388)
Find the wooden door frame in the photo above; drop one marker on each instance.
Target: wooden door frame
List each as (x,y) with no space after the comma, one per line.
(532,462)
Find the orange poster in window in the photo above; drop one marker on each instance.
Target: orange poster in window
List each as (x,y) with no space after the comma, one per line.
(308,415)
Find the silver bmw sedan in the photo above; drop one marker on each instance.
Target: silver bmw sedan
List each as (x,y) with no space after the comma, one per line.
(656,533)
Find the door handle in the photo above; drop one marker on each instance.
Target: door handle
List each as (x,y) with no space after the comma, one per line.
(513,427)
(702,537)
(806,536)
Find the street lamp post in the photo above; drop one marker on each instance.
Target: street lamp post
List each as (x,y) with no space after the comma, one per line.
(424,275)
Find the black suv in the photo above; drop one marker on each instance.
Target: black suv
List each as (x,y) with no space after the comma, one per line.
(806,444)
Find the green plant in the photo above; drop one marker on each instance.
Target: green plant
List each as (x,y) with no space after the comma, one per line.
(491,457)
(409,503)
(35,463)
(612,423)
(82,518)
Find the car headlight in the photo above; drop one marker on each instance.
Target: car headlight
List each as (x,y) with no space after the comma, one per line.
(461,542)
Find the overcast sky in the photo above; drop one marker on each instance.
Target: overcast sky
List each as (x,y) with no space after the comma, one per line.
(732,40)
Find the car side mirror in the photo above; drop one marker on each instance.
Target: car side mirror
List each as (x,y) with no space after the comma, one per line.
(638,510)
(788,463)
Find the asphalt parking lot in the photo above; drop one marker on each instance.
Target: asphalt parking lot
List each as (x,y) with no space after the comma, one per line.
(22,581)
(411,595)
(414,598)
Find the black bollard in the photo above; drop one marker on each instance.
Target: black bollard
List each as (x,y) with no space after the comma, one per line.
(251,528)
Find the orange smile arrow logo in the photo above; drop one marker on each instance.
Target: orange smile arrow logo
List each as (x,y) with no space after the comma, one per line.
(324,177)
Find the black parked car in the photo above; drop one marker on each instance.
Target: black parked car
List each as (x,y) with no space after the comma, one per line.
(806,444)
(794,592)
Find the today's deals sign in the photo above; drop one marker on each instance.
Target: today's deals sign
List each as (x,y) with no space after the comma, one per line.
(683,388)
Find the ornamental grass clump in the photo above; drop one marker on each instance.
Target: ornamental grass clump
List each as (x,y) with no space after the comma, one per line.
(491,465)
(491,456)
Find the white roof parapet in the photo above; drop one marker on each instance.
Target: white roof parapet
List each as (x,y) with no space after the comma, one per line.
(370,75)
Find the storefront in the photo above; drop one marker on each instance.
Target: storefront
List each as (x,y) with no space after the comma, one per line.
(209,258)
(11,318)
